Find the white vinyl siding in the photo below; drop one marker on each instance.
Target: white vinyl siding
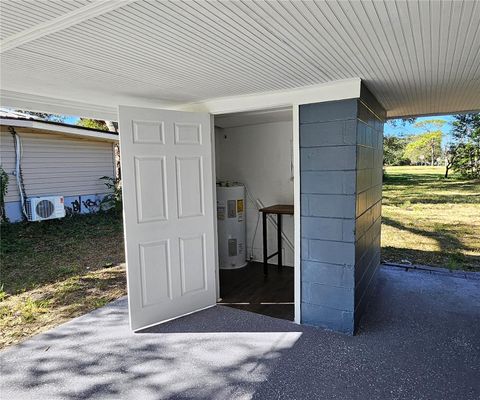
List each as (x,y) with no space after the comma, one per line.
(54,164)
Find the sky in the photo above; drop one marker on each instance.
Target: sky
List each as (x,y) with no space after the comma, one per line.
(71,120)
(400,129)
(410,129)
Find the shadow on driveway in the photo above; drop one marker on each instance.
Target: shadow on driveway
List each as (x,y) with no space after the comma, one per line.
(419,339)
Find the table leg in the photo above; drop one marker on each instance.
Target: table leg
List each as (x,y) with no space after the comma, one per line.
(265,249)
(279,240)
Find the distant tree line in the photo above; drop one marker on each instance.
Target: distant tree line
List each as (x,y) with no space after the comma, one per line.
(461,154)
(421,149)
(85,122)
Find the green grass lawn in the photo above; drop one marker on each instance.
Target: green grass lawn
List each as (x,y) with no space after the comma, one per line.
(55,270)
(427,219)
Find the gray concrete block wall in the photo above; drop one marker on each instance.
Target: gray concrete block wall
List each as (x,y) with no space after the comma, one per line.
(341,171)
(371,117)
(328,136)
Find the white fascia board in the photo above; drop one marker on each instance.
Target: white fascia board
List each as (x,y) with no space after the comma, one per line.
(33,102)
(64,130)
(330,91)
(105,108)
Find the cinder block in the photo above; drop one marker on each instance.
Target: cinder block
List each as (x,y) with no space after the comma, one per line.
(364,179)
(328,228)
(304,204)
(328,274)
(305,249)
(331,252)
(361,133)
(367,98)
(365,115)
(329,318)
(328,111)
(329,296)
(337,206)
(364,157)
(370,137)
(362,284)
(379,125)
(361,203)
(328,158)
(368,256)
(360,248)
(328,182)
(331,133)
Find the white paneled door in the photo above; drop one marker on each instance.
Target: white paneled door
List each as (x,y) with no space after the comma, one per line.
(168,205)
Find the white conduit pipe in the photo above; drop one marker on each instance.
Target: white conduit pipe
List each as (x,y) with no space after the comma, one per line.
(18,176)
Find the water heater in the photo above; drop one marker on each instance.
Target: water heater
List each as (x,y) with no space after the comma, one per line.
(231,225)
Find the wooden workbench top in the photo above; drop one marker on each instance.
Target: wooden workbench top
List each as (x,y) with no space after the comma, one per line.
(278,209)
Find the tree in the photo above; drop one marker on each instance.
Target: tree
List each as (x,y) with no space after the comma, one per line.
(451,153)
(431,126)
(44,116)
(466,149)
(93,124)
(424,148)
(401,122)
(393,149)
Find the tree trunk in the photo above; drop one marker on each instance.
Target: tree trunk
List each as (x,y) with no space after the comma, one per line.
(433,153)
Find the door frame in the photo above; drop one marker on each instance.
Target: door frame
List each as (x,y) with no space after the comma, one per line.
(296,201)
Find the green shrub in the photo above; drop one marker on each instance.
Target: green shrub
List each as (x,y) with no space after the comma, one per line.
(112,200)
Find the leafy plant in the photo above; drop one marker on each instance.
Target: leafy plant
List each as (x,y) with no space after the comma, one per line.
(112,200)
(3,294)
(3,192)
(31,309)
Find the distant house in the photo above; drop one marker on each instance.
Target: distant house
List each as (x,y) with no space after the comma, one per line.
(55,160)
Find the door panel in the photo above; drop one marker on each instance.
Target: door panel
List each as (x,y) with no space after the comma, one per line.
(151,199)
(155,270)
(168,191)
(192,263)
(190,186)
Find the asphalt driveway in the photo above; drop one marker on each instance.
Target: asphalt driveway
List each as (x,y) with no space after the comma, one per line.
(420,339)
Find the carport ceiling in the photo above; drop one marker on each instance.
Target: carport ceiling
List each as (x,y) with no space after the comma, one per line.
(417,57)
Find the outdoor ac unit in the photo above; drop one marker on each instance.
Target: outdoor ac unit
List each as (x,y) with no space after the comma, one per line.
(42,208)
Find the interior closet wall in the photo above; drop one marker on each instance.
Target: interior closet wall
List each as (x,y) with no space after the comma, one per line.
(260,156)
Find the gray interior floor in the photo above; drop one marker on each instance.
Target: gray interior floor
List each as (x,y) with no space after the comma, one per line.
(420,339)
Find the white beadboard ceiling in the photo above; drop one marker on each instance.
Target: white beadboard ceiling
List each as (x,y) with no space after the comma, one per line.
(417,57)
(19,15)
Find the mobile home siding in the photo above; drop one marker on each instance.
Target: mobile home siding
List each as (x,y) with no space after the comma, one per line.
(55,164)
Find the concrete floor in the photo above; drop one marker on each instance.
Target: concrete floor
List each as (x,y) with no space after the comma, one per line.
(420,339)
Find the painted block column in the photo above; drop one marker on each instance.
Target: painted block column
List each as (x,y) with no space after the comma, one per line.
(341,154)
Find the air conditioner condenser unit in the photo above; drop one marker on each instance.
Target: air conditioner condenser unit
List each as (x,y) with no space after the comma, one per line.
(43,208)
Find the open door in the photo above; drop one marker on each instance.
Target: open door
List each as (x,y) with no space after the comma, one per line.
(168,187)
